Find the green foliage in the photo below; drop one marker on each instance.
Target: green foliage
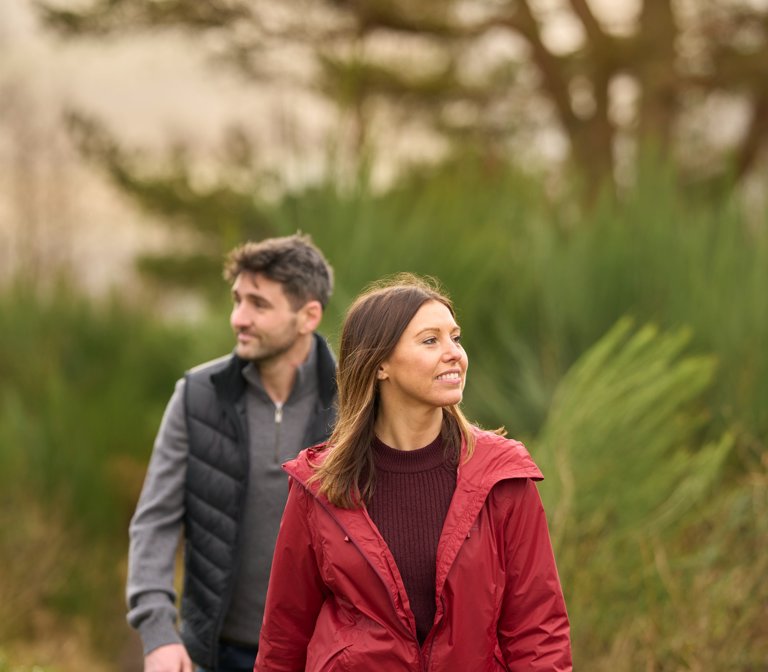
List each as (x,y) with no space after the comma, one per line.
(536,283)
(622,405)
(559,275)
(81,394)
(5,666)
(659,554)
(352,81)
(82,391)
(462,225)
(625,461)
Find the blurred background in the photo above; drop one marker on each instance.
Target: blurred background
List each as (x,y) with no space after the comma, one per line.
(587,178)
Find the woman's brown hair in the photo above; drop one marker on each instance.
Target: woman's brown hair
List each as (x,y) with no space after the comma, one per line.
(372,327)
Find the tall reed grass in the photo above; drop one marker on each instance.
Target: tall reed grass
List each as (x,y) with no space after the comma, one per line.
(538,283)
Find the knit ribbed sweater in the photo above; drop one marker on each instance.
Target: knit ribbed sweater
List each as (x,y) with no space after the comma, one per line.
(410,501)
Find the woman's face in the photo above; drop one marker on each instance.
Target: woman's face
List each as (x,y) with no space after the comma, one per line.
(428,366)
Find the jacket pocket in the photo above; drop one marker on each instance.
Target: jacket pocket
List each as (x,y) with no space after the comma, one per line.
(328,661)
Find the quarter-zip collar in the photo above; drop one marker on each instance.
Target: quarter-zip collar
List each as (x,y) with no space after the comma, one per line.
(305,382)
(230,383)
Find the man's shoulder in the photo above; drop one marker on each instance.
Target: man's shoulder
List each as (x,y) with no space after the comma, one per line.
(211,383)
(202,371)
(202,375)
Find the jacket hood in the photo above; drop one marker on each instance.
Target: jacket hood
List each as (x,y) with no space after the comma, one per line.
(494,459)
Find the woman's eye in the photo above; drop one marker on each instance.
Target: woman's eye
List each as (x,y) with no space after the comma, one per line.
(430,341)
(457,338)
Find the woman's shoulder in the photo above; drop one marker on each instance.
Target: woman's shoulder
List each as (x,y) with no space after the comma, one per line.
(503,456)
(304,465)
(487,439)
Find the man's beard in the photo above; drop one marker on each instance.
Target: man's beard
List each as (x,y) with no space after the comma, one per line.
(265,352)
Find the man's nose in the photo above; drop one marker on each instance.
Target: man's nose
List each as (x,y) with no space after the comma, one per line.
(239,316)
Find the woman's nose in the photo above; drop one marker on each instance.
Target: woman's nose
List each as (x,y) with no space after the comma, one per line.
(452,351)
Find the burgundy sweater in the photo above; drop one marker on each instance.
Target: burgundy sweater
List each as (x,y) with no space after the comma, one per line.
(410,501)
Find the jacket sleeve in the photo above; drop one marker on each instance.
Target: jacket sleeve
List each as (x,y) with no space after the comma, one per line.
(296,591)
(155,530)
(534,633)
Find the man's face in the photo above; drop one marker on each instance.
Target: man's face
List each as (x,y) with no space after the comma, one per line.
(264,322)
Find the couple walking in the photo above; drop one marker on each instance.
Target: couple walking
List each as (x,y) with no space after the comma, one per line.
(402,538)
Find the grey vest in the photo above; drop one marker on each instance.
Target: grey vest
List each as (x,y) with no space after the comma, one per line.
(217,479)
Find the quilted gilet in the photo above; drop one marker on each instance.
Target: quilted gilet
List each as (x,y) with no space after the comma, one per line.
(217,479)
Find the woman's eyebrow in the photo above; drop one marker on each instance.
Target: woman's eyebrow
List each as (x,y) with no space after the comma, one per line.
(454,327)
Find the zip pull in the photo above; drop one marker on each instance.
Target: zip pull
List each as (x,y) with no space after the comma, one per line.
(278,421)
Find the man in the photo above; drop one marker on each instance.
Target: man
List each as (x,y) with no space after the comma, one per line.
(215,470)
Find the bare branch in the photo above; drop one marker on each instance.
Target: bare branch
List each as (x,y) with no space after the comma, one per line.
(594,31)
(756,136)
(549,65)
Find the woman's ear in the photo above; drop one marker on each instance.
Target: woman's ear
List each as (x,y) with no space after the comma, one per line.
(381,373)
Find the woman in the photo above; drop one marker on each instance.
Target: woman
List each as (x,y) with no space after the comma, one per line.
(412,540)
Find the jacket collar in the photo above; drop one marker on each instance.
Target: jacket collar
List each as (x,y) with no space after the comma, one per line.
(494,459)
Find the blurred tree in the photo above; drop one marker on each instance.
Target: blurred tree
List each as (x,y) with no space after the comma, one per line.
(209,217)
(496,73)
(37,183)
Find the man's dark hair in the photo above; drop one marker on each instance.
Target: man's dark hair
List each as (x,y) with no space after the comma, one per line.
(293,261)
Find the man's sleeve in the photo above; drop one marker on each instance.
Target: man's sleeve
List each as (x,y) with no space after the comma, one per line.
(155,530)
(296,591)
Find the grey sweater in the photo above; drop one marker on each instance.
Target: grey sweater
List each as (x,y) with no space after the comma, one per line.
(275,436)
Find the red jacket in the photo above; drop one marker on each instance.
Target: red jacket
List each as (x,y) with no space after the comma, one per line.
(336,602)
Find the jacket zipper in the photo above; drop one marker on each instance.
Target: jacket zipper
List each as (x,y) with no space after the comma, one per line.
(426,653)
(278,423)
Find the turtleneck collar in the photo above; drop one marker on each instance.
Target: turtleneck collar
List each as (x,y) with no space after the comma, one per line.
(408,461)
